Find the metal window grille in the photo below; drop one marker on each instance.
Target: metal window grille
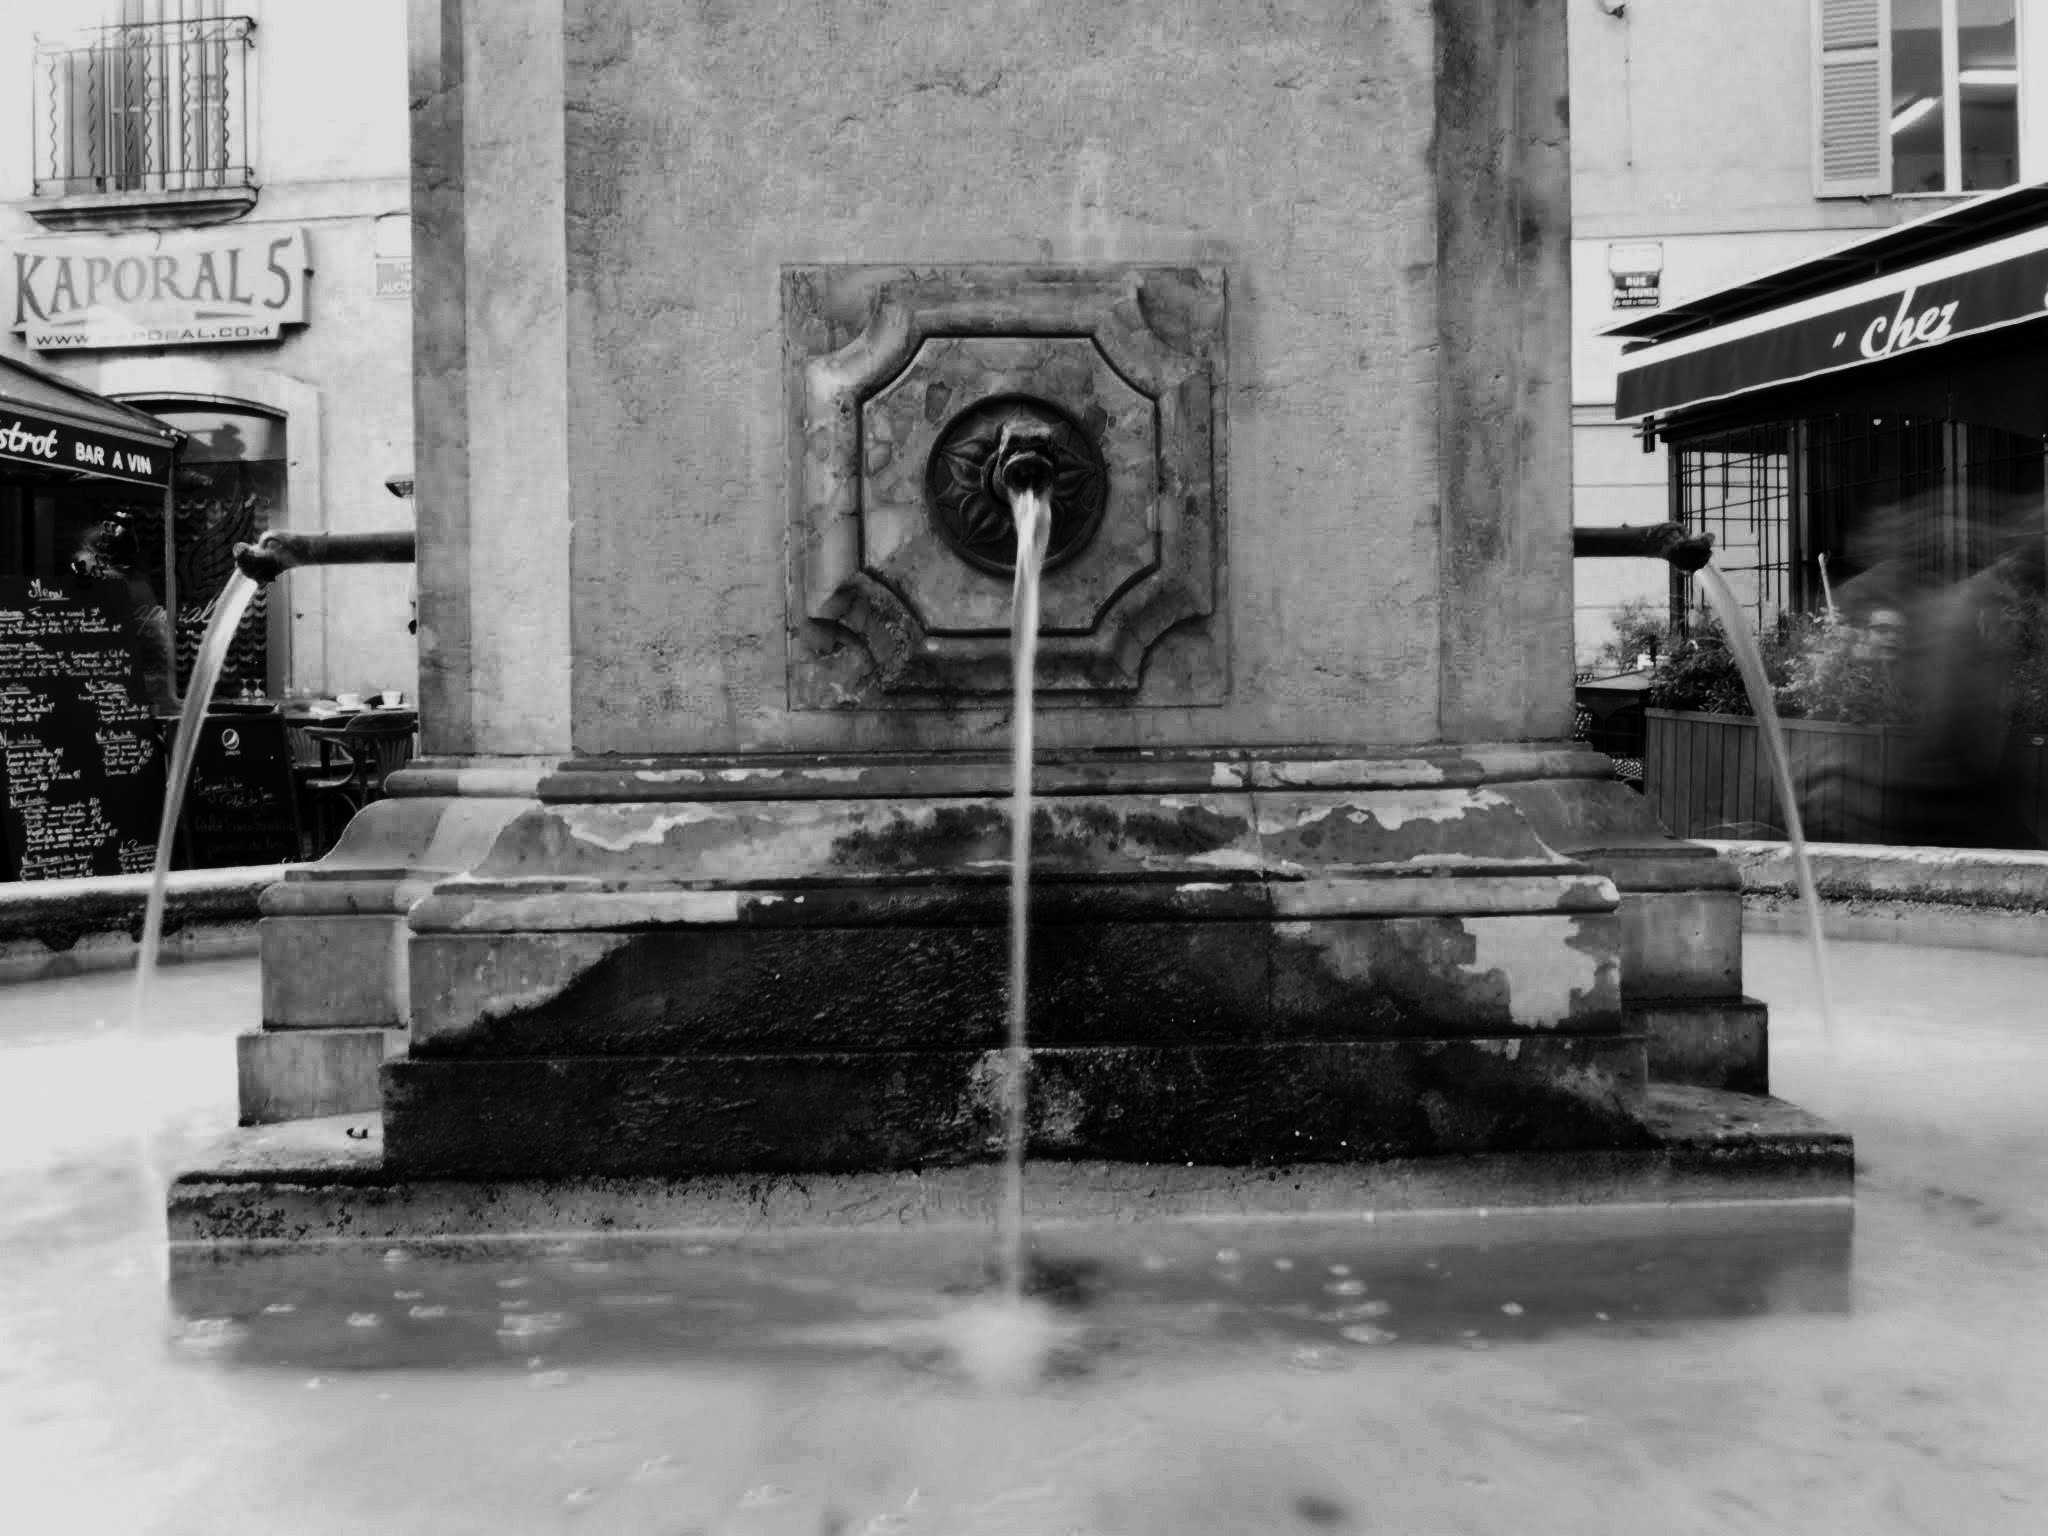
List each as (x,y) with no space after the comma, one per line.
(1797,509)
(146,106)
(1738,487)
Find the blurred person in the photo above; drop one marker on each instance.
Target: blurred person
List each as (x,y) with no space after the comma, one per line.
(1934,660)
(1882,636)
(109,566)
(1958,672)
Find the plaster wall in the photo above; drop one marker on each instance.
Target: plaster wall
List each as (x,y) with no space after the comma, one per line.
(1614,483)
(708,145)
(1696,112)
(1698,119)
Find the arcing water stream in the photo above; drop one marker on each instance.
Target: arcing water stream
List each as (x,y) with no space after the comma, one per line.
(1742,644)
(228,609)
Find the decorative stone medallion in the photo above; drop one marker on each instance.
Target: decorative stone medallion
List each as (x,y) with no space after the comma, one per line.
(900,553)
(974,517)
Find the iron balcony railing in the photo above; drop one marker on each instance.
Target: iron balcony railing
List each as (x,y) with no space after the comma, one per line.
(146,107)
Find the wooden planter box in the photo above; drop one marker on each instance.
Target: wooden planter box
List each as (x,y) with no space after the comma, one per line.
(1709,776)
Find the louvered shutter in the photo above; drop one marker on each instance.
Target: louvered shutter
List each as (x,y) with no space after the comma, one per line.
(1852,56)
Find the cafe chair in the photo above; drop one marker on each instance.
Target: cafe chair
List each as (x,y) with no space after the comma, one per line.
(325,778)
(366,751)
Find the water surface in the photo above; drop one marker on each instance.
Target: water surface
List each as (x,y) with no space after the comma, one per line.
(1596,1375)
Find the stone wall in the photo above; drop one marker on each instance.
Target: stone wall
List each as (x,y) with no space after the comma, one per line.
(1296,148)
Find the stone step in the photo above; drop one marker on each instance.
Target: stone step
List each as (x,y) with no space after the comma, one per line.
(1337,1101)
(329,1180)
(300,1074)
(1705,1042)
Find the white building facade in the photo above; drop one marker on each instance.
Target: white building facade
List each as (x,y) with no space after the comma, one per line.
(204,211)
(1712,143)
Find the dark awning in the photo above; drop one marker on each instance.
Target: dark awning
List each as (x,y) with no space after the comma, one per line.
(51,423)
(1881,320)
(1994,380)
(1890,299)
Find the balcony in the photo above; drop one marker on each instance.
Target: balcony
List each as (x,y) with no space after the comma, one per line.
(145,122)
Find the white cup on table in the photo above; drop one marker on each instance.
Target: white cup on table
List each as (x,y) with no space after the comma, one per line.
(349,700)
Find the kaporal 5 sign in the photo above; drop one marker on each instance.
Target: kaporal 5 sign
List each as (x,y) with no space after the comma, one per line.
(77,293)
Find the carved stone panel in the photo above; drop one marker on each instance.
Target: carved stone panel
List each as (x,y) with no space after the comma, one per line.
(900,557)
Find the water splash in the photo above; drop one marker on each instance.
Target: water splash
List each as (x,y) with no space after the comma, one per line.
(1003,1344)
(1742,644)
(228,609)
(1032,512)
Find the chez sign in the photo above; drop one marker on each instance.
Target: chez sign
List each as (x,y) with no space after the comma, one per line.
(1983,289)
(240,284)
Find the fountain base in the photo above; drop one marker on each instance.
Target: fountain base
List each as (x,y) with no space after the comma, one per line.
(331,1180)
(1407,969)
(694,966)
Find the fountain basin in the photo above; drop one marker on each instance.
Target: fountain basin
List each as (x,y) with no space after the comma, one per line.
(662,1384)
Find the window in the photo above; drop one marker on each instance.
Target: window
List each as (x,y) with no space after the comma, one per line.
(1799,509)
(1916,96)
(230,488)
(157,101)
(1738,487)
(1955,120)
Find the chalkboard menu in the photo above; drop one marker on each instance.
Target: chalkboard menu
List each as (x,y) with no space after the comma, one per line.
(81,761)
(241,806)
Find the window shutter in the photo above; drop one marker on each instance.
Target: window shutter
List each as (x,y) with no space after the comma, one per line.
(1852,139)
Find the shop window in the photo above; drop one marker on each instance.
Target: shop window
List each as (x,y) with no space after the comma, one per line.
(1916,96)
(229,488)
(157,101)
(1801,509)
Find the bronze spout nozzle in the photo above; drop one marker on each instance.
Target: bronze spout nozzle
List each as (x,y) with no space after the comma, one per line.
(265,560)
(1024,460)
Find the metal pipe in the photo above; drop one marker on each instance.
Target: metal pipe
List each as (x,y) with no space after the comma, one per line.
(1655,541)
(281,550)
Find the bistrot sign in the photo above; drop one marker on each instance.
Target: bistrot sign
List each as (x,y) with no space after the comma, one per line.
(46,444)
(75,293)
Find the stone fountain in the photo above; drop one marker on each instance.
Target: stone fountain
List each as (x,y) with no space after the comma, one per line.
(721,312)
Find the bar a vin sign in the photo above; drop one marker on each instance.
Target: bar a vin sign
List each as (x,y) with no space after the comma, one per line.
(60,445)
(244,284)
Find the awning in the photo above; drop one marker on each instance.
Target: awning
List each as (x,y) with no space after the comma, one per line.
(51,423)
(1901,315)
